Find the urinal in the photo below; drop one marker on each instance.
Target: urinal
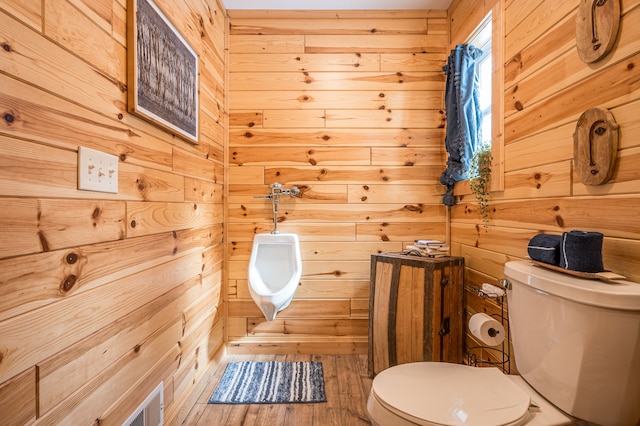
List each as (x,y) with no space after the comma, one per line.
(275,268)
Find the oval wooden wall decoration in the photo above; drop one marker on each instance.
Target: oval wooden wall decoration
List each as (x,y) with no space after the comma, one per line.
(597,26)
(595,146)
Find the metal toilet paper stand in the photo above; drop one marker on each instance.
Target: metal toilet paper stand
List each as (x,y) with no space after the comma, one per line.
(487,355)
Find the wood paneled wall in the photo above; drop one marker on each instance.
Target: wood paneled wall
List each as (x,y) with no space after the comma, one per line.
(347,106)
(103,296)
(95,311)
(547,87)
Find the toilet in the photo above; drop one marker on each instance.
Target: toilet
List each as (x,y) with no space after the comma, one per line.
(576,346)
(275,268)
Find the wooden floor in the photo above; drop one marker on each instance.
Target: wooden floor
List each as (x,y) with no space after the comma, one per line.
(346,382)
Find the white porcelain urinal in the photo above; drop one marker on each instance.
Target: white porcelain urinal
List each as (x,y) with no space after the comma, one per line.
(275,268)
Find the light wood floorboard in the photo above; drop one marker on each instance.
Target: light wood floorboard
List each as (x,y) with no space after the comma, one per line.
(347,387)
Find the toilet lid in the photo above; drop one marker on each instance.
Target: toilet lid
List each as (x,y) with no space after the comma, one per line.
(451,394)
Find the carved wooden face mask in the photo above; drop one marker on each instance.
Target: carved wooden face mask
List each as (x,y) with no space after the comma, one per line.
(597,26)
(595,146)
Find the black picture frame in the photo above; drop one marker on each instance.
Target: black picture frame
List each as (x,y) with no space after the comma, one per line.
(162,71)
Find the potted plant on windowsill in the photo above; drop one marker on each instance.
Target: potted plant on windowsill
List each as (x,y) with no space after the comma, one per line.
(480,181)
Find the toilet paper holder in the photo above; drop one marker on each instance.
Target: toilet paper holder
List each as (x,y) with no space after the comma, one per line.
(482,354)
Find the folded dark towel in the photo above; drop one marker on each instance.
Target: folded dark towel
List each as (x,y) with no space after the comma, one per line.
(581,251)
(545,248)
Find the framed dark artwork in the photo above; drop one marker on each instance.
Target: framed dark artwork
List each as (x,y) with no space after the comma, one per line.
(162,71)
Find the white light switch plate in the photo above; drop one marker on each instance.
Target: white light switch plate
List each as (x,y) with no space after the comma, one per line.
(97,171)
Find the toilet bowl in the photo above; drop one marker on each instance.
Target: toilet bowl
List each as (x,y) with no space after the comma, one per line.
(577,349)
(275,268)
(439,393)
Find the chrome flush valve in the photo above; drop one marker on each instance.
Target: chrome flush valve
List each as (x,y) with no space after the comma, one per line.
(276,191)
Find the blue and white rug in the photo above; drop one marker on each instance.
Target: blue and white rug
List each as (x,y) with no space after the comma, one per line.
(270,383)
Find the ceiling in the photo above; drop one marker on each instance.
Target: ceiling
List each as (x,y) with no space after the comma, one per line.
(338,4)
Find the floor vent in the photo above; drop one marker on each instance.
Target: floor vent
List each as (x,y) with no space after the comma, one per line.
(150,412)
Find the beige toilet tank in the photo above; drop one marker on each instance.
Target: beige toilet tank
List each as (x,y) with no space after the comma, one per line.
(577,341)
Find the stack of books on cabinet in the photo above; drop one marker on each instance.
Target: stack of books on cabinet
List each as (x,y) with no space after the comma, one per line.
(428,248)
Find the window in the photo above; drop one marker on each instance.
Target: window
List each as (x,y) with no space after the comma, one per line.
(491,41)
(481,38)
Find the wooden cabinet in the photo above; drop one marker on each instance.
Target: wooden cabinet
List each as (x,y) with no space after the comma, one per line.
(415,310)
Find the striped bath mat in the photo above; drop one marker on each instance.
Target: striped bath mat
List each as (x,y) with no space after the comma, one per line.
(270,383)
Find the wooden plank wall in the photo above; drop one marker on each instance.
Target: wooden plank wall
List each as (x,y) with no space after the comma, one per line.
(547,87)
(103,296)
(348,107)
(95,311)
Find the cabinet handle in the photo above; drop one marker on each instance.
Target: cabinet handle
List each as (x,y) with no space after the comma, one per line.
(444,329)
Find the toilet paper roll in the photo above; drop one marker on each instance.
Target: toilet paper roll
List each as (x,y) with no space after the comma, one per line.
(492,290)
(486,329)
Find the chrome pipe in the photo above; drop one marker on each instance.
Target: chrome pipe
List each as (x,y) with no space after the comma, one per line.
(276,191)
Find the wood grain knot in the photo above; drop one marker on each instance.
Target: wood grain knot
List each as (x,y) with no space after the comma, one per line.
(413,208)
(71,258)
(43,241)
(68,283)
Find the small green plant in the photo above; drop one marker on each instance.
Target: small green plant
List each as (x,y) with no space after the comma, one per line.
(480,181)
